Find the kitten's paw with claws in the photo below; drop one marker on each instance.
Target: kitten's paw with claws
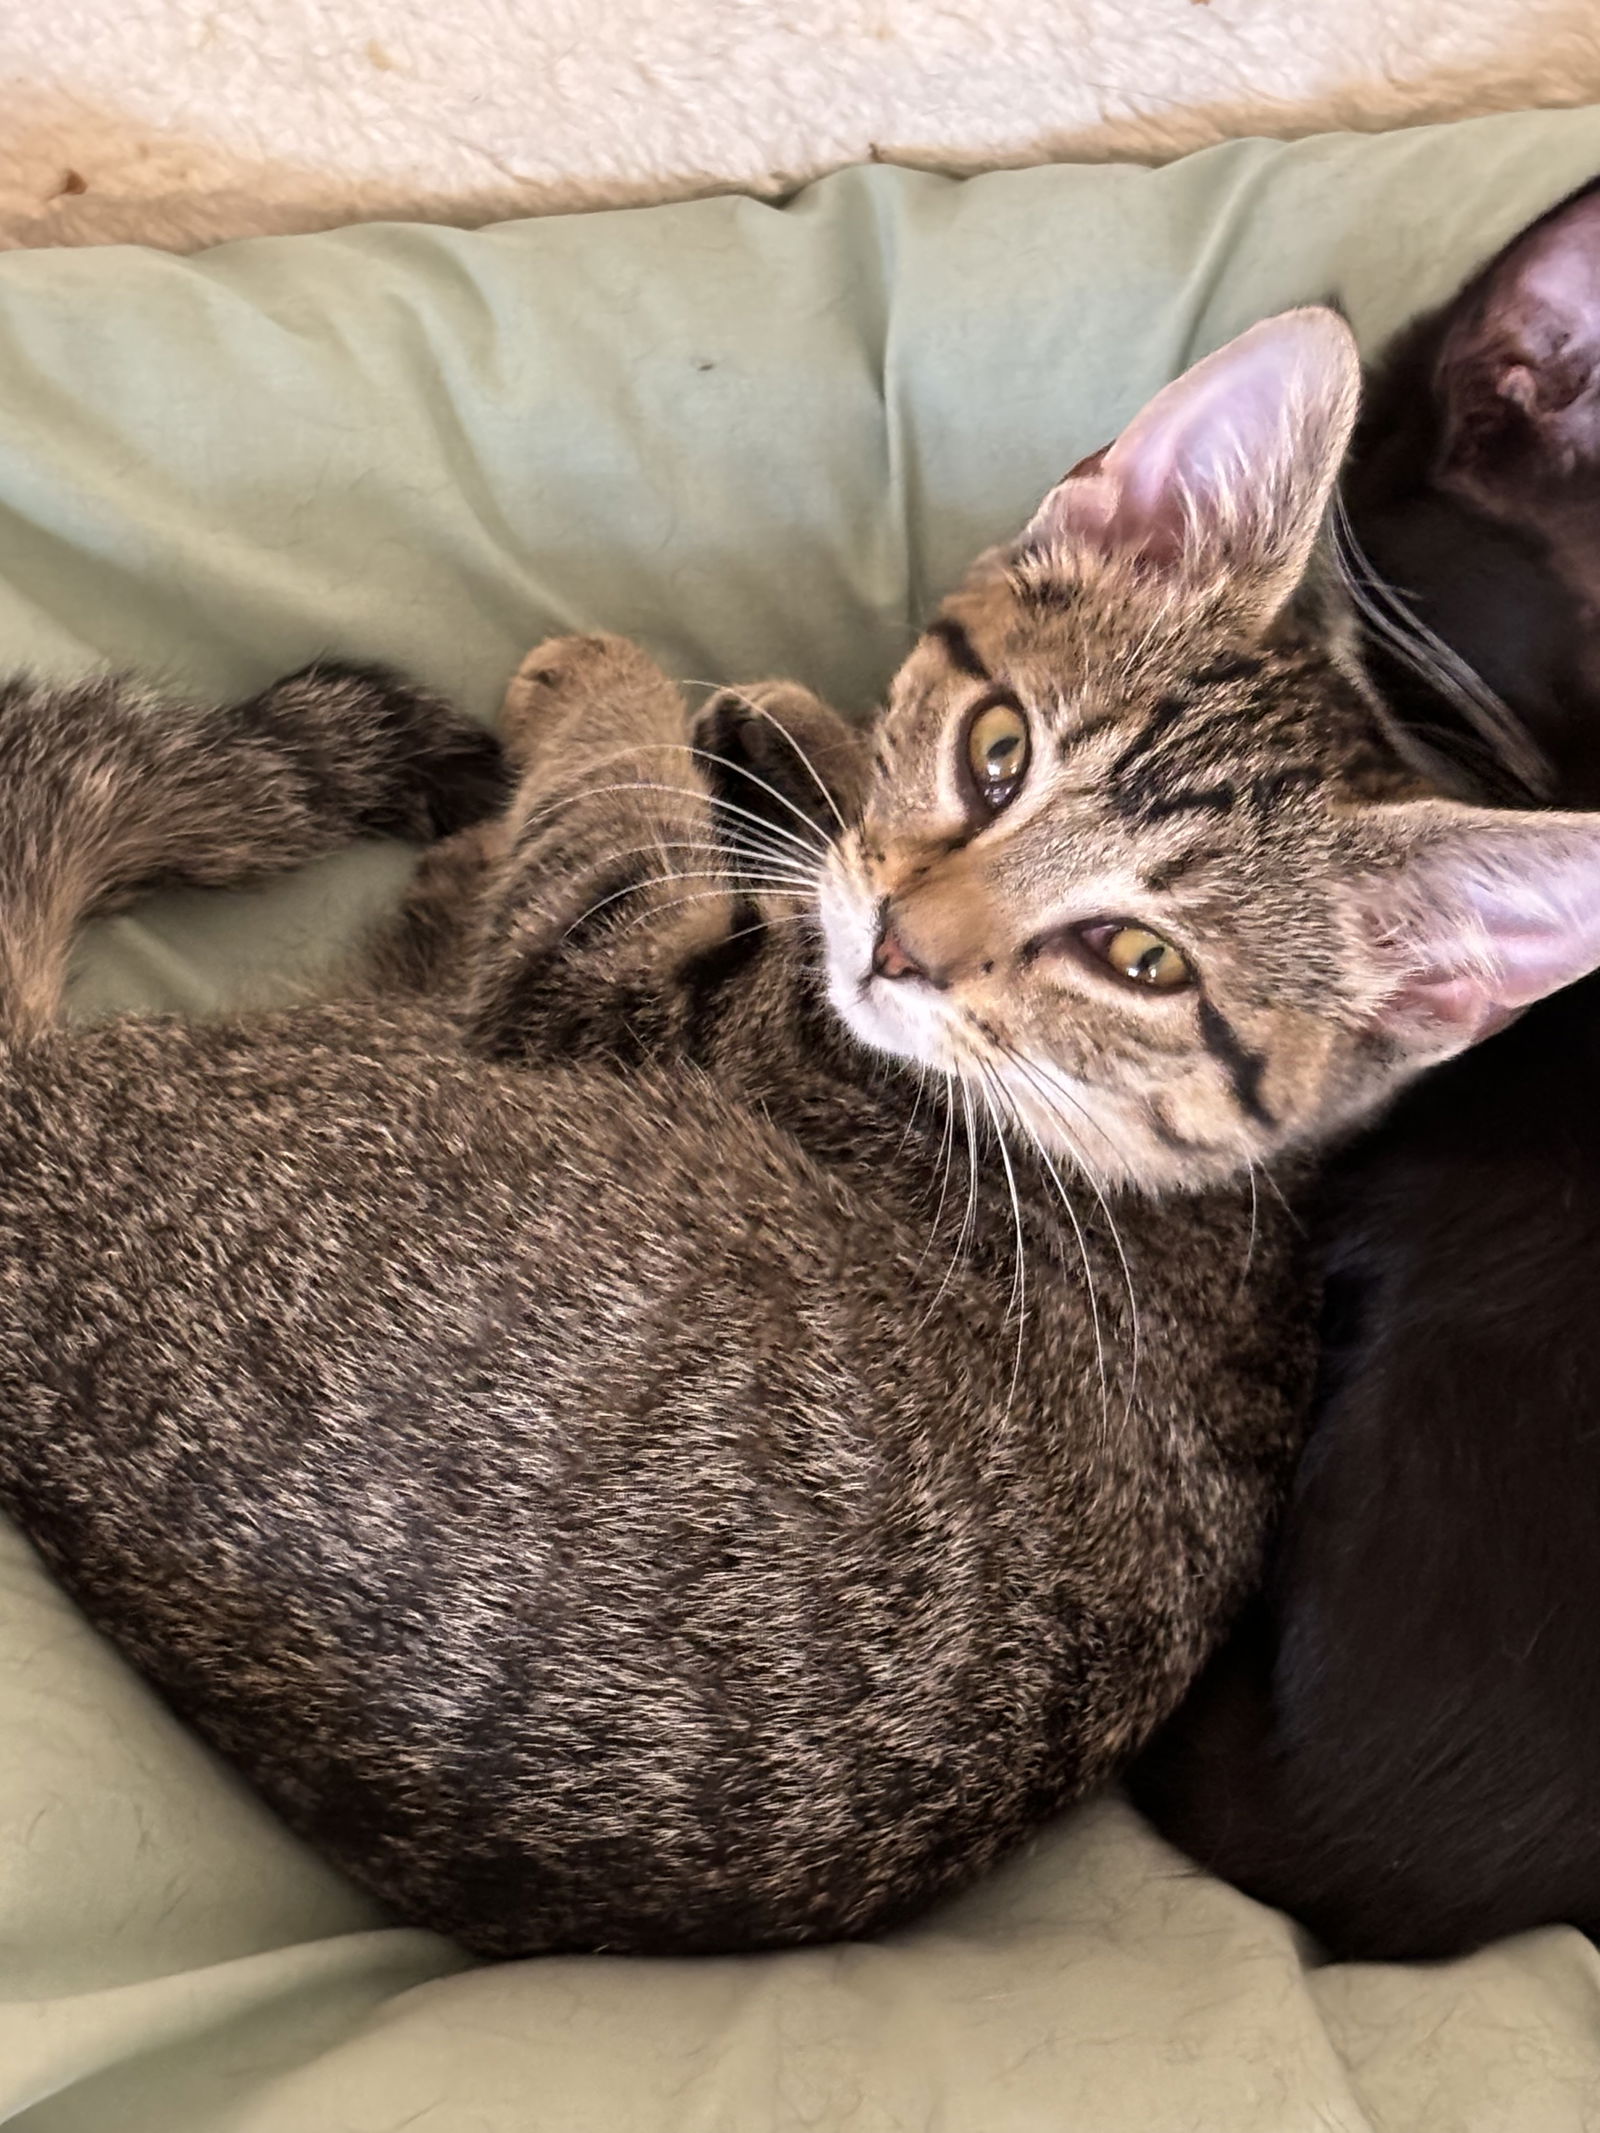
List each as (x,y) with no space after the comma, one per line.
(780,751)
(603,679)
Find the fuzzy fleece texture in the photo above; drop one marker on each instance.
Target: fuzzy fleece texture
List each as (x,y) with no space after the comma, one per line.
(181,122)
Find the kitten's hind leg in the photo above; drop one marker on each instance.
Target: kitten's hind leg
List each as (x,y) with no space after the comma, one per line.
(107,789)
(425,948)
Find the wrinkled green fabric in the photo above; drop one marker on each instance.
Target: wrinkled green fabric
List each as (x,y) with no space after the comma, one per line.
(762,440)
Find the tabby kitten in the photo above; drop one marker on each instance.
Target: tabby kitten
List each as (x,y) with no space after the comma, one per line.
(708,1430)
(1401,1745)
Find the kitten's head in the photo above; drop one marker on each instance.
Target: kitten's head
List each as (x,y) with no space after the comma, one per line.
(1139,860)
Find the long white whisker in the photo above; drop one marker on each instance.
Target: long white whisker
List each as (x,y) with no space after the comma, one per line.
(1050,1097)
(970,1214)
(817,848)
(567,795)
(1019,1286)
(743,770)
(773,865)
(1277,1193)
(916,1108)
(972,1198)
(1250,1248)
(768,920)
(778,726)
(675,903)
(947,1157)
(813,852)
(688,748)
(773,862)
(704,896)
(1053,1098)
(548,808)
(1494,733)
(730,886)
(1043,1153)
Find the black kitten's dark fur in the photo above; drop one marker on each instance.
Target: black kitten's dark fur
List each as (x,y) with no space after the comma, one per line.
(1401,1744)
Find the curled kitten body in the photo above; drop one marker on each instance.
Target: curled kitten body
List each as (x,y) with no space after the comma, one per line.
(705,1412)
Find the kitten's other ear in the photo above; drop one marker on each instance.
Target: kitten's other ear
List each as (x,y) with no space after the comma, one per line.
(1467,915)
(1517,376)
(1225,474)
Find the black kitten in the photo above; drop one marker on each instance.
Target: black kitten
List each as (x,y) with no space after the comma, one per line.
(1401,1744)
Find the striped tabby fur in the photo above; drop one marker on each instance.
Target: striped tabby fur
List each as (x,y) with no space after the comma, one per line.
(639,1429)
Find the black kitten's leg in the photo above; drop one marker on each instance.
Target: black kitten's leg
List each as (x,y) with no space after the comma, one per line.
(107,789)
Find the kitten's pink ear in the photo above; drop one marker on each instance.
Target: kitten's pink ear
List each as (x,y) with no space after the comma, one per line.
(1470,914)
(1518,370)
(1225,473)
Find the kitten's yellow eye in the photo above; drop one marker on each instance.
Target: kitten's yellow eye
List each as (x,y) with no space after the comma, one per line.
(997,753)
(1139,955)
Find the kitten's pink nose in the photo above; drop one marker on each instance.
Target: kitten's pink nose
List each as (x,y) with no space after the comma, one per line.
(889,958)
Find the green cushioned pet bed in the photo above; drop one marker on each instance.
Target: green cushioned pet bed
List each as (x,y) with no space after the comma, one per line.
(761,440)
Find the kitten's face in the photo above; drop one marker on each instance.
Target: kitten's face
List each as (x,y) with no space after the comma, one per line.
(1138,862)
(1131,934)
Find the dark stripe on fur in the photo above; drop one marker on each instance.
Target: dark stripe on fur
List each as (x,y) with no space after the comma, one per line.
(708,977)
(1164,1133)
(1243,1067)
(958,649)
(440,772)
(609,907)
(1090,730)
(1164,717)
(1159,878)
(1266,791)
(1232,666)
(1201,799)
(212,796)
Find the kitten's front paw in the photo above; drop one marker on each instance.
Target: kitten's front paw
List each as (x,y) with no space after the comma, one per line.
(565,676)
(778,739)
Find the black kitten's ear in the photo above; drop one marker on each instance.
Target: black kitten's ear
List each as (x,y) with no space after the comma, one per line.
(1224,475)
(1518,371)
